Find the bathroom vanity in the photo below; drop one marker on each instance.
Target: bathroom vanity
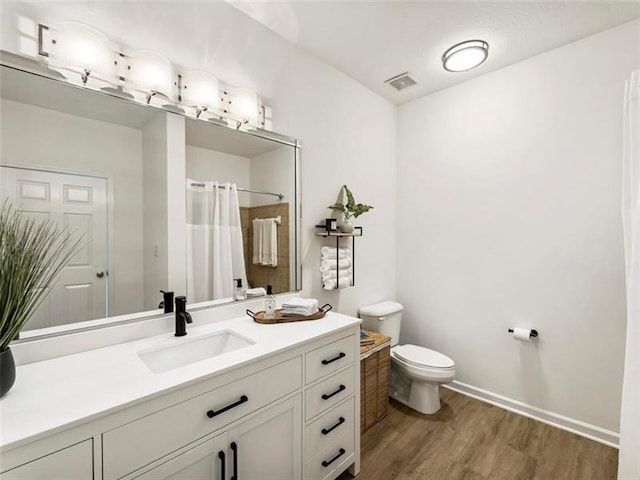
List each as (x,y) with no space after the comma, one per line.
(276,402)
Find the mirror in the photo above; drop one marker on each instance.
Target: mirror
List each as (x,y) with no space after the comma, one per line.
(135,180)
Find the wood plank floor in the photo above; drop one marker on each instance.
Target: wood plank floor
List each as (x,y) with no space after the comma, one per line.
(472,440)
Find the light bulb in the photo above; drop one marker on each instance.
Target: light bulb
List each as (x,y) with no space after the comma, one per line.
(243,105)
(200,89)
(150,73)
(82,49)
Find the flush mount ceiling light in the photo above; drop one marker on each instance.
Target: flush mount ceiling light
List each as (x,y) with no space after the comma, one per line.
(465,55)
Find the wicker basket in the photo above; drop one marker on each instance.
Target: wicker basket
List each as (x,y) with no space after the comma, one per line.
(374,386)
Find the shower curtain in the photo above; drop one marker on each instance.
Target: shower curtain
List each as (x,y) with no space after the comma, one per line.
(629,460)
(215,252)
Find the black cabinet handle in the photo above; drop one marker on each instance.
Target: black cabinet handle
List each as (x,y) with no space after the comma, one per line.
(331,360)
(213,413)
(325,431)
(327,396)
(326,463)
(234,448)
(223,474)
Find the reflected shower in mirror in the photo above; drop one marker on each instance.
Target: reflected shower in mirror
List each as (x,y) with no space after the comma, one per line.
(118,172)
(238,214)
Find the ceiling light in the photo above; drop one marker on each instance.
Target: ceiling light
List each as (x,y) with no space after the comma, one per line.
(465,56)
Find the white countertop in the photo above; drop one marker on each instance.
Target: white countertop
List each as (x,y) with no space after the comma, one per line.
(52,395)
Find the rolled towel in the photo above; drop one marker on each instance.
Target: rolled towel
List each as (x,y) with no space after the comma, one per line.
(256,292)
(331,274)
(332,252)
(333,285)
(326,264)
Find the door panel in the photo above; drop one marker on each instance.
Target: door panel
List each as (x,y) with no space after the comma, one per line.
(79,202)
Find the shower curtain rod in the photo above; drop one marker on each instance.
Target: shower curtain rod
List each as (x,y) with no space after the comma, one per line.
(240,189)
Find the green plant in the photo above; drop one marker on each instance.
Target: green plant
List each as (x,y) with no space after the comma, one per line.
(32,254)
(351,209)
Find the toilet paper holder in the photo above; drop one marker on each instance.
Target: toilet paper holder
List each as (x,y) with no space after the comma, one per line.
(532,334)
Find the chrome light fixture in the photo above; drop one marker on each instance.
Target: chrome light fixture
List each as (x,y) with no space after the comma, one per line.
(82,49)
(465,55)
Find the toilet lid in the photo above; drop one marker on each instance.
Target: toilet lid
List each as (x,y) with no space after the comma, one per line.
(422,356)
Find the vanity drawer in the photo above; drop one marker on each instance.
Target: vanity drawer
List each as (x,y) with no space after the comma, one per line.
(329,358)
(330,426)
(138,443)
(329,392)
(332,458)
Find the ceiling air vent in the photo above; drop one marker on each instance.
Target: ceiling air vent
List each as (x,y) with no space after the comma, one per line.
(402,81)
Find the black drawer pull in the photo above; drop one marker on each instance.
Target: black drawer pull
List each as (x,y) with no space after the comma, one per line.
(213,413)
(327,396)
(234,448)
(327,463)
(223,474)
(328,430)
(331,360)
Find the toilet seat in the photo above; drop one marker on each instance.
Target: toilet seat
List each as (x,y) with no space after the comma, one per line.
(421,357)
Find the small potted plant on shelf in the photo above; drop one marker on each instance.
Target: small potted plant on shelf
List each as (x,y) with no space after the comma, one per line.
(349,209)
(32,254)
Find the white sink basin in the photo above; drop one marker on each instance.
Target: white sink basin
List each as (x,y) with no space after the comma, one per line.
(185,351)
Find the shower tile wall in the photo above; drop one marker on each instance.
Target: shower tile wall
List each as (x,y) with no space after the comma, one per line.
(258,275)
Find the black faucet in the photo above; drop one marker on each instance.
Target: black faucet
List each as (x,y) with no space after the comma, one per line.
(167,301)
(182,316)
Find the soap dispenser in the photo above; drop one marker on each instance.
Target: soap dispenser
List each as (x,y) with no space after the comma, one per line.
(269,304)
(239,293)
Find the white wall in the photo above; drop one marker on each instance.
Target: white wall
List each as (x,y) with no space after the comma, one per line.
(205,165)
(38,137)
(509,215)
(348,136)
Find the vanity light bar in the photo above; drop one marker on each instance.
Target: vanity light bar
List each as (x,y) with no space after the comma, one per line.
(148,75)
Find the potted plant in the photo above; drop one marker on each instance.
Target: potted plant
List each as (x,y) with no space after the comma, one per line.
(32,254)
(349,209)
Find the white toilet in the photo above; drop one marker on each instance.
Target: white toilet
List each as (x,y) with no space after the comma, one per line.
(416,371)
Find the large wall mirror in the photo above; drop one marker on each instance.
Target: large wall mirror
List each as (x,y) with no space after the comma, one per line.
(164,201)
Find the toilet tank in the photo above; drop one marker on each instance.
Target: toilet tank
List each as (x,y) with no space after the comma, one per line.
(384,318)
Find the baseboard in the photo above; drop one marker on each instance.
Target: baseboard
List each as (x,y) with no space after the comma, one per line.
(583,429)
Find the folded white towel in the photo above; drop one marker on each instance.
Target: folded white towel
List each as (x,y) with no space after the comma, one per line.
(300,306)
(332,252)
(257,241)
(330,274)
(269,242)
(256,292)
(333,285)
(326,265)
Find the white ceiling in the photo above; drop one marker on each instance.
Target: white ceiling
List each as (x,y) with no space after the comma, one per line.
(368,40)
(372,41)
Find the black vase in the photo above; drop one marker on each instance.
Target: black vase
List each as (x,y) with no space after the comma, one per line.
(7,371)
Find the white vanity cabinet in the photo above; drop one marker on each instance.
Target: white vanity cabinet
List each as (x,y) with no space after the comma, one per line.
(264,446)
(71,463)
(288,415)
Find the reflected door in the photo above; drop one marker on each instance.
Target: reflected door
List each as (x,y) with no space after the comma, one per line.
(79,202)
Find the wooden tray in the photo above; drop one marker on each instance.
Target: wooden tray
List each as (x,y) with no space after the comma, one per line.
(260,318)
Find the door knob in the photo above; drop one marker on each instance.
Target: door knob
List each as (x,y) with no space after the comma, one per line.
(100,274)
